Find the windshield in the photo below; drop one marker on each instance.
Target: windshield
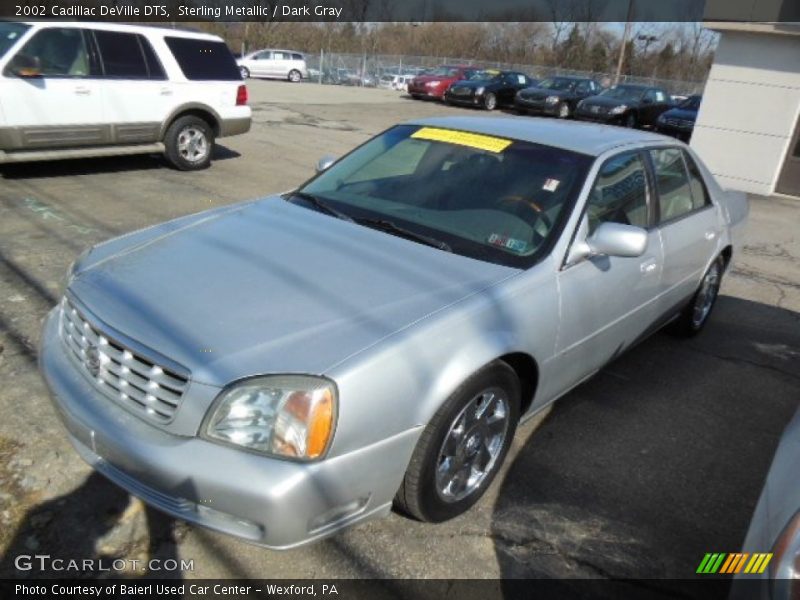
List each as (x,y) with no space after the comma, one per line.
(556,84)
(486,197)
(622,92)
(9,34)
(442,72)
(691,103)
(487,75)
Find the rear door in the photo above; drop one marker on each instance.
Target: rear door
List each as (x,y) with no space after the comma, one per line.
(137,96)
(60,107)
(280,64)
(607,303)
(259,64)
(688,223)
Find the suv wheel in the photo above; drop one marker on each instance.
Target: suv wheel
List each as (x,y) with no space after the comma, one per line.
(295,76)
(244,72)
(462,448)
(189,142)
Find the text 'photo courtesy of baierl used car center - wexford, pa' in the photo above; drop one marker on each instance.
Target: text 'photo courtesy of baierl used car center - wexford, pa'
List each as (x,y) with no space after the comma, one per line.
(377,300)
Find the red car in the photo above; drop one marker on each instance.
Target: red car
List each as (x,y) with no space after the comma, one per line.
(434,83)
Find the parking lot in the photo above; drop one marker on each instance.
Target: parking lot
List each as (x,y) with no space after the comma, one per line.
(637,473)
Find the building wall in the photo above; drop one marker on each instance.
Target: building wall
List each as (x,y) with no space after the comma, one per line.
(750,106)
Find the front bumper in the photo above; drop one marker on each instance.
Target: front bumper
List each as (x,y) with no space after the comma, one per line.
(536,106)
(472,100)
(587,115)
(426,92)
(271,502)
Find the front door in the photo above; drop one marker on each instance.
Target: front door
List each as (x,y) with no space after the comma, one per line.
(607,303)
(789,177)
(52,95)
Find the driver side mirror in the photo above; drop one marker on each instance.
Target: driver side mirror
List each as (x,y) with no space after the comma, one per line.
(23,65)
(616,239)
(325,162)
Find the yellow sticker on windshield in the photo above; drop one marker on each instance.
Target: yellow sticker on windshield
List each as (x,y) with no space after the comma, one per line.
(462,138)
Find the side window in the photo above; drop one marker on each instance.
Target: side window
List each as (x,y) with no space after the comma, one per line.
(263,55)
(700,197)
(297,56)
(650,95)
(154,66)
(57,52)
(203,60)
(279,56)
(675,196)
(619,194)
(121,54)
(582,88)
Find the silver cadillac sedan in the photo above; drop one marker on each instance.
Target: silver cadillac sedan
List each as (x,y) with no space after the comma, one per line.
(283,368)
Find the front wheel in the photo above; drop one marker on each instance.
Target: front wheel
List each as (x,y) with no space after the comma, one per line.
(695,315)
(630,121)
(295,76)
(563,110)
(490,101)
(462,448)
(244,72)
(189,142)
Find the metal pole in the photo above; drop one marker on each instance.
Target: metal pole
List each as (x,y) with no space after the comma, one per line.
(624,42)
(321,65)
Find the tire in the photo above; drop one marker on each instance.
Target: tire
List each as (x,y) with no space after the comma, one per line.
(629,121)
(694,316)
(433,492)
(563,111)
(244,72)
(189,143)
(295,76)
(415,96)
(490,101)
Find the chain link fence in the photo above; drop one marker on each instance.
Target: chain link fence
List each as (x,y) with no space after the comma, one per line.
(366,70)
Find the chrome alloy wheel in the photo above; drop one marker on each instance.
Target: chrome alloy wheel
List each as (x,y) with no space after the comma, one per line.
(706,295)
(193,144)
(472,444)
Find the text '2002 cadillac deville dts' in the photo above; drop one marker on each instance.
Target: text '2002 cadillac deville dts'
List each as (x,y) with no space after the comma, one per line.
(283,368)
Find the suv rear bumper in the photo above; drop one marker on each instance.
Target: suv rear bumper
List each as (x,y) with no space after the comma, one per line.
(270,502)
(234,126)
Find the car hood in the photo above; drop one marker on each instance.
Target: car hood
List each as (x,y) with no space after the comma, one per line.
(680,113)
(476,83)
(608,102)
(427,78)
(272,287)
(537,92)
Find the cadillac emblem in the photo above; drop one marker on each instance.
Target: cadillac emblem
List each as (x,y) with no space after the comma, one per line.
(93,360)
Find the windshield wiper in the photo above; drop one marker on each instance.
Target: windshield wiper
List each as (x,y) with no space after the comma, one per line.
(390,227)
(322,205)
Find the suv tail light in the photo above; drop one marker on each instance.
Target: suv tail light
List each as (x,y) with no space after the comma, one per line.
(241,95)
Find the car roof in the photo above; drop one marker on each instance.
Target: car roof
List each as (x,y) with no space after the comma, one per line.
(577,136)
(143,29)
(275,50)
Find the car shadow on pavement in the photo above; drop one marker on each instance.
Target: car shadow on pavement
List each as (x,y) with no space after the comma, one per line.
(656,460)
(97,522)
(103,164)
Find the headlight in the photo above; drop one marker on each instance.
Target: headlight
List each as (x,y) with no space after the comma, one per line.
(552,99)
(479,91)
(618,110)
(433,83)
(784,569)
(281,415)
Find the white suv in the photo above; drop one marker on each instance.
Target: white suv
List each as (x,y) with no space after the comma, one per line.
(277,64)
(70,90)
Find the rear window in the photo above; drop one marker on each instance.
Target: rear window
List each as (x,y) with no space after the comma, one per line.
(297,56)
(203,60)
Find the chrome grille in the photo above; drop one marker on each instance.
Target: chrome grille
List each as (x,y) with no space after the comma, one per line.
(461,91)
(121,374)
(679,122)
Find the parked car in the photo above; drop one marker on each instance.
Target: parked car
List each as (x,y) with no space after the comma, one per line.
(72,90)
(373,337)
(555,96)
(274,64)
(487,89)
(774,529)
(679,121)
(434,83)
(628,105)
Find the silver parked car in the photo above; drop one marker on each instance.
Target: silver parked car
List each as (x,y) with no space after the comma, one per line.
(283,368)
(274,64)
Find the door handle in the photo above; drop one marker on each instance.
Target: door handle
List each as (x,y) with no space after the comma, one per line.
(648,266)
(83,91)
(166,92)
(710,234)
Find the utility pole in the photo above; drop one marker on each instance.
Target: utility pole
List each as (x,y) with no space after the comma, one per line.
(624,44)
